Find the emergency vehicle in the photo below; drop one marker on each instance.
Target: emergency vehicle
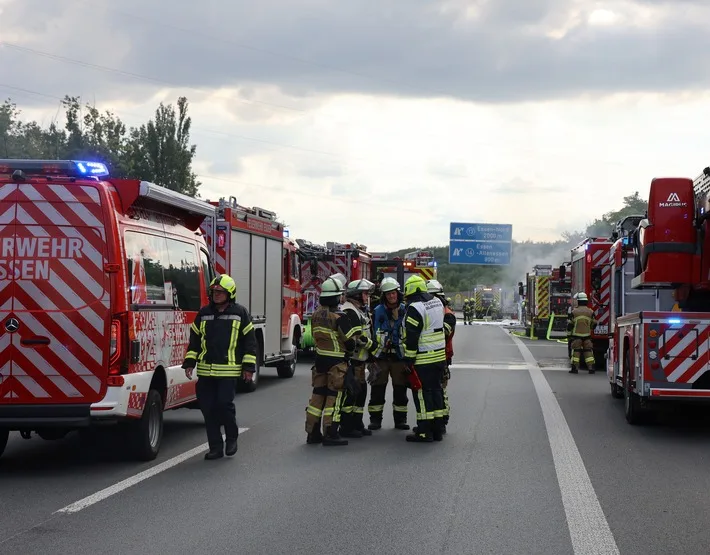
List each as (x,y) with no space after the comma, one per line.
(317,263)
(100,280)
(249,245)
(658,354)
(401,268)
(537,299)
(561,296)
(591,274)
(486,302)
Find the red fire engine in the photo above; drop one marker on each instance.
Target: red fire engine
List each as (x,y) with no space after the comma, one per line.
(249,245)
(317,263)
(591,274)
(658,353)
(401,268)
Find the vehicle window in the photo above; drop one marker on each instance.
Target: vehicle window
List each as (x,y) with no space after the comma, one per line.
(294,265)
(182,277)
(286,267)
(147,259)
(207,270)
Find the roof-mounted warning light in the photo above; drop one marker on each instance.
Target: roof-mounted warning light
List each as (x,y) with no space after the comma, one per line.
(65,168)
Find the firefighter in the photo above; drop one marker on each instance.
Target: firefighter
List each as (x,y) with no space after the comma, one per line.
(468,312)
(569,328)
(465,312)
(580,328)
(435,288)
(223,347)
(331,329)
(356,307)
(389,355)
(425,356)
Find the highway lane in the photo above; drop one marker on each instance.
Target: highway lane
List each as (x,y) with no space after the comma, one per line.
(491,486)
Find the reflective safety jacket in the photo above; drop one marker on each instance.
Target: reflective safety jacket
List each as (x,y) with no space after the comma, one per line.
(581,322)
(360,325)
(449,331)
(330,328)
(388,329)
(424,339)
(222,344)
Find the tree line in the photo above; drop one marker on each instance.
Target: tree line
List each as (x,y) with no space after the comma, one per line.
(160,151)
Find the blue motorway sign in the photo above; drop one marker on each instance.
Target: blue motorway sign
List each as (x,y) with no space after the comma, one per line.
(480,232)
(480,252)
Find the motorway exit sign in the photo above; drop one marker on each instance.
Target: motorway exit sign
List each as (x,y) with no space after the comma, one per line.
(480,244)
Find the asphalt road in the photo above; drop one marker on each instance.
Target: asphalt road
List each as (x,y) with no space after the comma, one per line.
(536,461)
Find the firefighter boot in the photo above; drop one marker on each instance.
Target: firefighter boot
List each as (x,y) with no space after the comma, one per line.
(374,424)
(314,437)
(231,447)
(422,433)
(214,453)
(332,438)
(347,426)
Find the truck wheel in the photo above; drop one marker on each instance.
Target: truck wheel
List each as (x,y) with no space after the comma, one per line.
(146,435)
(287,368)
(4,435)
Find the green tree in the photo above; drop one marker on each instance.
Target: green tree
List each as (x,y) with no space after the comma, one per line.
(160,150)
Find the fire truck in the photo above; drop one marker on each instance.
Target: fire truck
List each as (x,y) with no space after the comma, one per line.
(591,274)
(317,263)
(537,299)
(487,302)
(401,268)
(561,296)
(660,350)
(249,245)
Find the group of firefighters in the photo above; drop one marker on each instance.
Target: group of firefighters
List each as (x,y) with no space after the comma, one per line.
(408,339)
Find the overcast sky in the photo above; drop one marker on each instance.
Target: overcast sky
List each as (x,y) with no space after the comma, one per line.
(381,121)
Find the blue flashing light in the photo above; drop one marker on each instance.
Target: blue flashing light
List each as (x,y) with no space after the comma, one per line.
(674,320)
(625,241)
(95,169)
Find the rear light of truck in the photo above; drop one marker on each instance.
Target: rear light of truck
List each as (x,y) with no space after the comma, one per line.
(118,363)
(115,342)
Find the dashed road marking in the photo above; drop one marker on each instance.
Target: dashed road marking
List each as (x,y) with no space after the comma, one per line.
(588,527)
(133,480)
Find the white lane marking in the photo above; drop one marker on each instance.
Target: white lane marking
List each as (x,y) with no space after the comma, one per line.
(588,527)
(133,480)
(499,366)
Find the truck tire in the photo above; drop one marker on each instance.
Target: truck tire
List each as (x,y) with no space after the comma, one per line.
(4,435)
(287,368)
(146,435)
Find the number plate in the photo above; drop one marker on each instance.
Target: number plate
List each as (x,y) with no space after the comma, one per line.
(601,330)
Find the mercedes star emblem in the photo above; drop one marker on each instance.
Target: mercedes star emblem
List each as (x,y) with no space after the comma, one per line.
(12,325)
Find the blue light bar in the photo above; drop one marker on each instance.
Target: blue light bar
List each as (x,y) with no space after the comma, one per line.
(625,241)
(674,320)
(97,169)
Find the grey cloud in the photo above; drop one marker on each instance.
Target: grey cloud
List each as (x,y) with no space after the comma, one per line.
(518,186)
(402,47)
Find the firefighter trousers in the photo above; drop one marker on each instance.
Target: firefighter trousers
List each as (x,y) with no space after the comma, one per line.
(326,399)
(354,406)
(429,400)
(394,369)
(447,406)
(582,346)
(215,396)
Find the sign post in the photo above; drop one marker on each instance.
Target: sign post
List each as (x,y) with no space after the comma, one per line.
(480,244)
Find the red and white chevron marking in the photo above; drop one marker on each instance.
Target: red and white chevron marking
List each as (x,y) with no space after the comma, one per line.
(602,308)
(220,259)
(681,344)
(52,280)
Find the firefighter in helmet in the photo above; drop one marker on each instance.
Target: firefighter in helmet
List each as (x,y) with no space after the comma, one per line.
(389,355)
(332,335)
(223,347)
(435,288)
(425,357)
(356,307)
(579,328)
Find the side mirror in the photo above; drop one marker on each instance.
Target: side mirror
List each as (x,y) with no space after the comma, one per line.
(596,278)
(563,272)
(521,291)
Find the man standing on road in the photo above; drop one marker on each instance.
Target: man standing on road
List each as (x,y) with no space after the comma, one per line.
(389,354)
(425,357)
(580,328)
(223,347)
